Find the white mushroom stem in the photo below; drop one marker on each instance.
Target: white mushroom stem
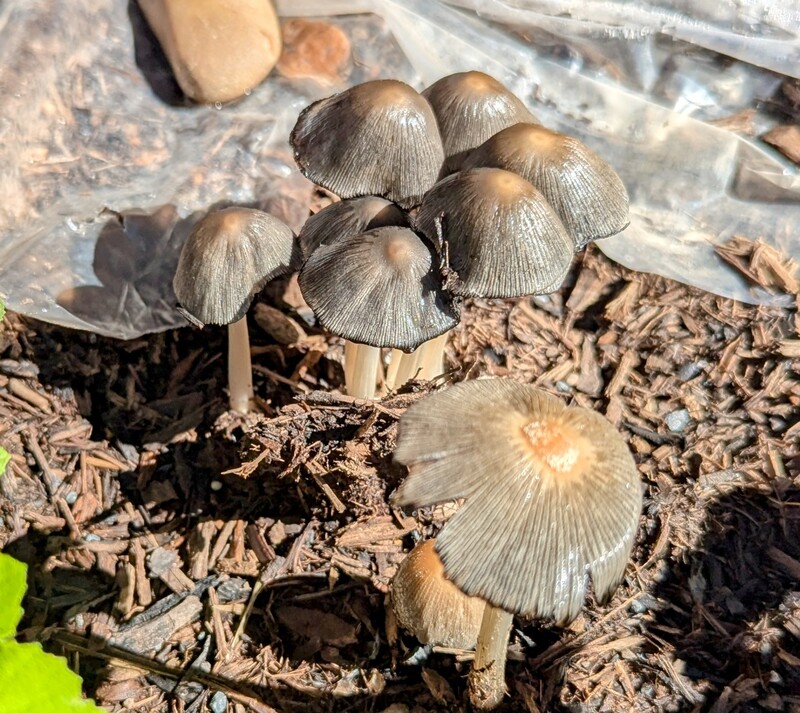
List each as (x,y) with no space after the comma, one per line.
(431,358)
(487,678)
(361,375)
(426,362)
(240,369)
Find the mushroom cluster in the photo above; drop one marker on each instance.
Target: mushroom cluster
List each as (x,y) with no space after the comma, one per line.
(455,192)
(552,501)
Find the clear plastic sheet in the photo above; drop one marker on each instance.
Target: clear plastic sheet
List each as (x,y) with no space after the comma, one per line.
(101,177)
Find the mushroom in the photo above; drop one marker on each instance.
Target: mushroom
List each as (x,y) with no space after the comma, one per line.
(430,606)
(348,217)
(585,191)
(376,289)
(376,138)
(470,107)
(218,49)
(552,497)
(499,234)
(230,255)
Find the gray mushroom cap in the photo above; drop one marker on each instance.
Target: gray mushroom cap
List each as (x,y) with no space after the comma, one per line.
(348,217)
(376,138)
(553,496)
(379,288)
(470,107)
(230,255)
(584,190)
(502,237)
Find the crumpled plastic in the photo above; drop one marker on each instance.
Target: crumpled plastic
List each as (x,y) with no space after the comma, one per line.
(102,176)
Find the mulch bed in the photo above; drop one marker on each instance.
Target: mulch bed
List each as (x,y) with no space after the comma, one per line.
(184,559)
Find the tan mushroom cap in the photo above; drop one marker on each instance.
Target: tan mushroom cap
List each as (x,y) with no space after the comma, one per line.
(583,189)
(470,107)
(378,288)
(552,494)
(376,138)
(230,255)
(348,217)
(503,238)
(430,606)
(218,49)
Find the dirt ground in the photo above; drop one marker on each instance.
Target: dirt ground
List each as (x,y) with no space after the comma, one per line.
(186,560)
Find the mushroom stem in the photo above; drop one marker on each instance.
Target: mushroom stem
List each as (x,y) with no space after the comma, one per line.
(395,358)
(240,370)
(487,678)
(363,375)
(431,357)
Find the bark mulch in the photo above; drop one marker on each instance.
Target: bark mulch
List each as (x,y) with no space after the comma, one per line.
(187,560)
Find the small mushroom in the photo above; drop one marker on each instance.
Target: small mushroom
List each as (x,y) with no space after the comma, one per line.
(584,190)
(500,235)
(218,49)
(553,498)
(470,107)
(376,138)
(376,289)
(230,255)
(430,606)
(348,217)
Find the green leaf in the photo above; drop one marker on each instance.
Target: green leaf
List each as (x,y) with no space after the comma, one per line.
(5,456)
(2,310)
(12,589)
(32,680)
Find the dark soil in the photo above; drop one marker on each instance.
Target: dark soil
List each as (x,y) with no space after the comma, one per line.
(183,558)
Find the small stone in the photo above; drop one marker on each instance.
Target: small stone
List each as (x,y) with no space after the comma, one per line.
(678,420)
(563,387)
(91,537)
(216,485)
(218,702)
(71,497)
(690,370)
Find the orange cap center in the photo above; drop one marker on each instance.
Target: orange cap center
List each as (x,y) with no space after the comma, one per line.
(558,449)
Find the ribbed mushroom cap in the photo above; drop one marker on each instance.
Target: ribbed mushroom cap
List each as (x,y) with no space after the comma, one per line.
(230,255)
(430,606)
(503,238)
(470,107)
(552,494)
(585,191)
(378,288)
(348,217)
(376,138)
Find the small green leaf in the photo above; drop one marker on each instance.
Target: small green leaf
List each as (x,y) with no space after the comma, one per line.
(5,456)
(32,680)
(2,309)
(12,589)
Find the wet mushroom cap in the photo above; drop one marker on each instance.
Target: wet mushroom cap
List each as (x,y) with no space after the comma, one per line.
(348,217)
(503,238)
(552,494)
(471,107)
(378,288)
(431,607)
(583,189)
(230,255)
(376,138)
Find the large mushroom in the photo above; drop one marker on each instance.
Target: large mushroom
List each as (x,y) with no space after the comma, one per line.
(500,235)
(376,138)
(376,289)
(552,499)
(228,257)
(584,190)
(470,107)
